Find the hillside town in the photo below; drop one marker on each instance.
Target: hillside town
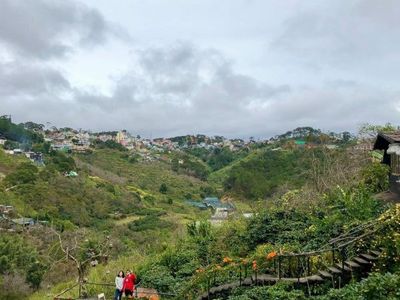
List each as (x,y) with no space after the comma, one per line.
(71,140)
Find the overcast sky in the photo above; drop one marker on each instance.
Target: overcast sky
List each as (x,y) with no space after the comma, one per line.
(237,68)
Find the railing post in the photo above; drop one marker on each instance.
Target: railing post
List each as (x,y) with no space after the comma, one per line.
(298,269)
(240,275)
(343,257)
(215,275)
(279,267)
(208,287)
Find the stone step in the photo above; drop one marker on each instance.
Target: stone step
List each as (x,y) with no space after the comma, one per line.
(325,274)
(360,260)
(376,253)
(368,257)
(352,264)
(334,270)
(314,278)
(247,281)
(344,268)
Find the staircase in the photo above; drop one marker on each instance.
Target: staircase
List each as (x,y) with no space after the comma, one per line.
(346,257)
(337,275)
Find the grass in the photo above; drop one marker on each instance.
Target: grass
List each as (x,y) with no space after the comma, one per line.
(145,177)
(8,162)
(218,177)
(126,220)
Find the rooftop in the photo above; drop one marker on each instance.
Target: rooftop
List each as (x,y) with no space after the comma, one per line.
(385,138)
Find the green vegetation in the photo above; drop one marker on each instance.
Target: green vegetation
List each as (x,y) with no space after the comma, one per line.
(300,197)
(18,260)
(18,133)
(260,177)
(219,157)
(376,286)
(109,145)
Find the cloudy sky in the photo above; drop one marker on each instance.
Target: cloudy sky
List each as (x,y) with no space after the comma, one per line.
(228,67)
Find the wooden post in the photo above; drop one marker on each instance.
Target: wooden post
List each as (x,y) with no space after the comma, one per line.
(298,269)
(240,275)
(215,275)
(343,257)
(279,267)
(208,287)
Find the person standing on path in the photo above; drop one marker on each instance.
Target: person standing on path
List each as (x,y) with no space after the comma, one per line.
(129,284)
(119,284)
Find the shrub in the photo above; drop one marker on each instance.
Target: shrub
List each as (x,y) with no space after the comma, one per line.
(25,173)
(376,177)
(163,188)
(149,223)
(376,286)
(280,291)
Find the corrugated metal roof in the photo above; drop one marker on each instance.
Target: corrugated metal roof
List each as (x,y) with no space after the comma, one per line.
(384,139)
(392,137)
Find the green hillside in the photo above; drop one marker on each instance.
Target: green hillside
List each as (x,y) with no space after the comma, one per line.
(132,206)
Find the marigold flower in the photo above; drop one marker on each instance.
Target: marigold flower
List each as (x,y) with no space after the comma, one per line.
(254,265)
(271,255)
(227,260)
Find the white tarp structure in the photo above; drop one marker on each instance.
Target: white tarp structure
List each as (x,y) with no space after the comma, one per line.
(393,149)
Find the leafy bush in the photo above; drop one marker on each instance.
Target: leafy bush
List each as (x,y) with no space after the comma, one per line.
(149,223)
(18,256)
(163,188)
(110,144)
(62,162)
(282,291)
(278,226)
(376,286)
(376,177)
(260,176)
(25,173)
(18,133)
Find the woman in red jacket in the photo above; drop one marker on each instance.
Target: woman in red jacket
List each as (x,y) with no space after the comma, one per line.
(129,284)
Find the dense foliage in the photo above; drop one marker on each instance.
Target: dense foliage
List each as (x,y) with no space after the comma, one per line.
(18,258)
(259,177)
(18,133)
(300,198)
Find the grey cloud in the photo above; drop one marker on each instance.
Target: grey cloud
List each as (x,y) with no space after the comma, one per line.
(343,34)
(45,29)
(31,80)
(221,102)
(343,49)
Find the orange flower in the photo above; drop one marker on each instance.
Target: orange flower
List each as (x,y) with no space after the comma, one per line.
(271,255)
(227,260)
(254,265)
